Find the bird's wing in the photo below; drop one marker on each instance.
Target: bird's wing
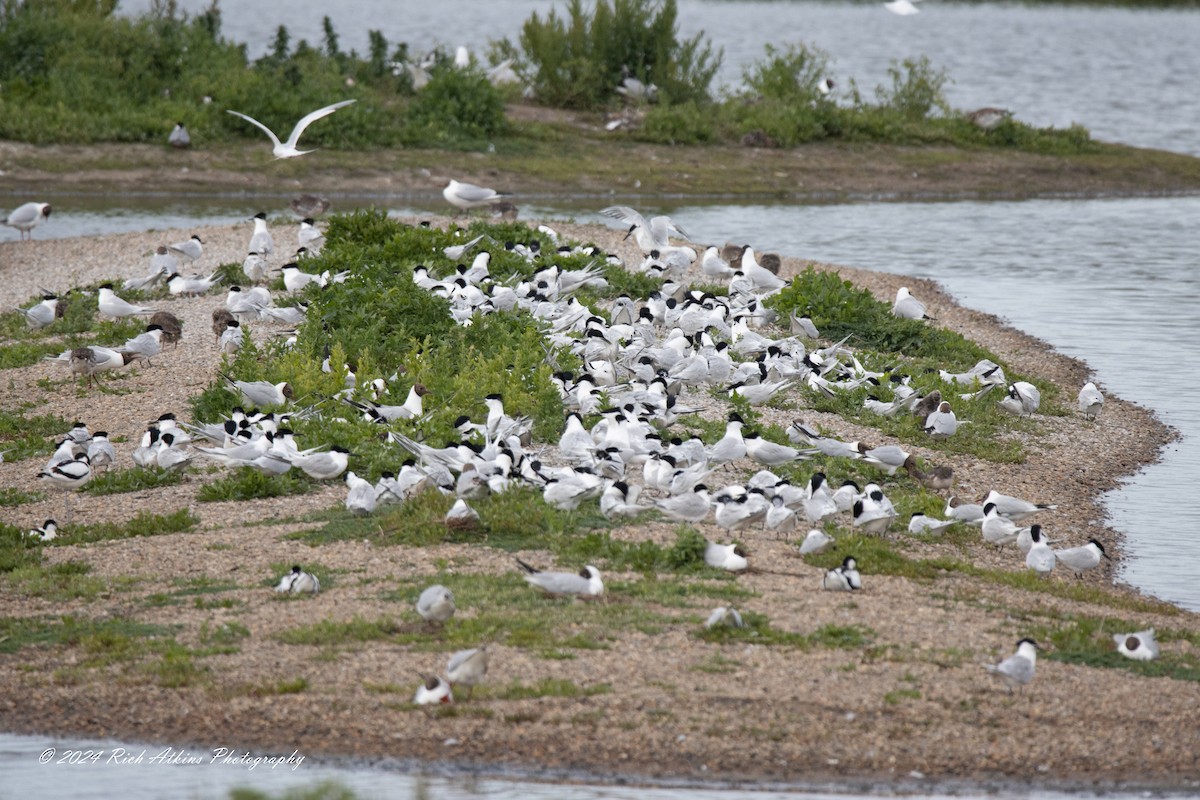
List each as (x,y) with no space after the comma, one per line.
(264,128)
(625,214)
(473,194)
(23,215)
(310,119)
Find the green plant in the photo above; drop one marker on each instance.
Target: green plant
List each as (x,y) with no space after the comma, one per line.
(457,106)
(577,60)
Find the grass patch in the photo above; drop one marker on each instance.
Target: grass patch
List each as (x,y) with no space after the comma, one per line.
(759,631)
(132,479)
(1088,641)
(25,436)
(547,687)
(68,580)
(248,483)
(96,636)
(334,633)
(11,497)
(144,524)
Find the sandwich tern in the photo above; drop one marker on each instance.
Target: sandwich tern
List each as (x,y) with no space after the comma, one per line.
(110,305)
(1081,559)
(1017,669)
(179,138)
(467,668)
(288,149)
(1040,557)
(42,314)
(189,249)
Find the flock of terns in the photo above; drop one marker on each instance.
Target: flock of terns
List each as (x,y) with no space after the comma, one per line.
(638,366)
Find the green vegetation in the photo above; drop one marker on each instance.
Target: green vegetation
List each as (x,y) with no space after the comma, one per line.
(248,483)
(11,497)
(144,523)
(577,60)
(1088,641)
(132,479)
(758,630)
(68,580)
(22,436)
(84,74)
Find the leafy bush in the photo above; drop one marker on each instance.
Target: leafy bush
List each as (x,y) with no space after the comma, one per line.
(684,123)
(457,105)
(577,61)
(916,91)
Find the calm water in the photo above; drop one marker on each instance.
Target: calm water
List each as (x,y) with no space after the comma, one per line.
(26,777)
(1127,75)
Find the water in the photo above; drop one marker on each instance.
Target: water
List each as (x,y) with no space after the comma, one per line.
(1127,75)
(102,779)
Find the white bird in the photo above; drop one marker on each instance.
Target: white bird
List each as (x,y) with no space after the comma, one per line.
(146,344)
(232,338)
(295,279)
(27,217)
(1015,508)
(1023,398)
(815,542)
(941,424)
(360,499)
(194,286)
(1081,559)
(769,453)
(1140,646)
(1040,557)
(996,529)
(1090,400)
(299,582)
(100,451)
(436,604)
(190,248)
(288,149)
(907,306)
(261,241)
(110,305)
(433,691)
(467,668)
(901,8)
(617,502)
(919,523)
(844,578)
(725,615)
(730,557)
(168,455)
(466,196)
(323,466)
(261,393)
(1017,669)
(586,583)
(179,137)
(690,507)
(310,236)
(255,267)
(970,513)
(461,515)
(41,314)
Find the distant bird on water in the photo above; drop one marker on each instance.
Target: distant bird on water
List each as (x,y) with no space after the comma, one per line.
(903,8)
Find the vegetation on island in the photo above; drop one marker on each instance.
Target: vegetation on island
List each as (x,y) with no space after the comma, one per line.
(76,72)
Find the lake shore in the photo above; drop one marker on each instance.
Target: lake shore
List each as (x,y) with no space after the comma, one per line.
(560,149)
(910,702)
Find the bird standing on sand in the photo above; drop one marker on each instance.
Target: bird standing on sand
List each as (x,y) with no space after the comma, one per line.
(1090,400)
(1017,669)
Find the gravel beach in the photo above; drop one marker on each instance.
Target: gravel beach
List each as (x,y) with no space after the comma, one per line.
(909,704)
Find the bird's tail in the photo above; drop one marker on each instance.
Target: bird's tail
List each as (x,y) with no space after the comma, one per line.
(527,568)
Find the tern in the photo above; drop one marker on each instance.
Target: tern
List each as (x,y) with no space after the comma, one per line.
(179,137)
(261,241)
(436,604)
(1139,646)
(360,499)
(586,583)
(190,248)
(1040,557)
(725,615)
(288,149)
(27,217)
(299,582)
(1015,508)
(1017,669)
(1081,559)
(1023,399)
(41,314)
(262,393)
(110,305)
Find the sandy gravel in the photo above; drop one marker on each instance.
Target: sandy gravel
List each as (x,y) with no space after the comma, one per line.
(679,708)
